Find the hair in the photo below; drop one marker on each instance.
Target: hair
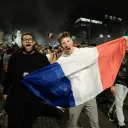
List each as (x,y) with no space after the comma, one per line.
(50,47)
(27,34)
(63,35)
(83,43)
(56,47)
(92,45)
(36,43)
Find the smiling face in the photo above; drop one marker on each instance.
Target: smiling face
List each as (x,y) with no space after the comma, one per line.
(28,42)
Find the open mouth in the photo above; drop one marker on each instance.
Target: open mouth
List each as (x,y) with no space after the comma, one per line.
(68,49)
(28,47)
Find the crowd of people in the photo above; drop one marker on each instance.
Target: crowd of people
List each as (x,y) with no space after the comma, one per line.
(23,107)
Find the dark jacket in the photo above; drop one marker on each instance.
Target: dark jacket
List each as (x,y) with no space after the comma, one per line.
(122,77)
(18,64)
(20,101)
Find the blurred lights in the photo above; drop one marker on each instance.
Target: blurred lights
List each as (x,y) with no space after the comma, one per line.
(113,18)
(88,20)
(108,36)
(110,17)
(73,37)
(119,19)
(106,16)
(18,31)
(101,36)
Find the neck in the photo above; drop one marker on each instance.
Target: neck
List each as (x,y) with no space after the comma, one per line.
(28,52)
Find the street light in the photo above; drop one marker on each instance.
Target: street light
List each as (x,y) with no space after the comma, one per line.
(101,36)
(108,36)
(105,37)
(18,31)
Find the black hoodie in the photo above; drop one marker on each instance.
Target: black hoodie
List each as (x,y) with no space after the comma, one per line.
(18,64)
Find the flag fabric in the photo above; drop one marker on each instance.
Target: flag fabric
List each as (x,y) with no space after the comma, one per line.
(51,34)
(79,77)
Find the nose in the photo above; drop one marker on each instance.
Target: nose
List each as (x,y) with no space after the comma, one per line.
(67,44)
(27,40)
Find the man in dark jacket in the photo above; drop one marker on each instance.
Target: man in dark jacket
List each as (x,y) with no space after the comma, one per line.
(22,106)
(120,91)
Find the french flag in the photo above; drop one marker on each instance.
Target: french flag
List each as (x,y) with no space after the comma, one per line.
(79,77)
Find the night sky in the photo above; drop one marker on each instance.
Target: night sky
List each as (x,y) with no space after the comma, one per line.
(47,14)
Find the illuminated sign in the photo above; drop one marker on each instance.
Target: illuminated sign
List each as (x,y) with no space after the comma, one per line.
(89,20)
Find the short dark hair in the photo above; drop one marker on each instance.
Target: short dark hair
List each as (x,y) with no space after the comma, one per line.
(92,45)
(27,34)
(83,43)
(56,47)
(36,44)
(50,47)
(63,35)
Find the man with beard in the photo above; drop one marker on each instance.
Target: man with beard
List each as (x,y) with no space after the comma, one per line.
(22,106)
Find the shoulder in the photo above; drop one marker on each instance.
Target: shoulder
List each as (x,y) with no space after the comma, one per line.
(41,57)
(16,54)
(40,54)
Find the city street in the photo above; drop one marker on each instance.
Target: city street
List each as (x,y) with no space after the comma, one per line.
(56,55)
(104,101)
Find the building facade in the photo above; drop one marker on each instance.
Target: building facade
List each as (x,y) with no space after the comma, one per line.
(92,25)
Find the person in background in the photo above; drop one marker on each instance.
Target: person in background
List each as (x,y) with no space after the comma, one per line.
(83,45)
(120,90)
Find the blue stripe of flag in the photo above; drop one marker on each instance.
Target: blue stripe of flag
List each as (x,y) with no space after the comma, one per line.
(51,85)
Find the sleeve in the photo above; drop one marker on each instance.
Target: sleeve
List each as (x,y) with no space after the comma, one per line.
(46,61)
